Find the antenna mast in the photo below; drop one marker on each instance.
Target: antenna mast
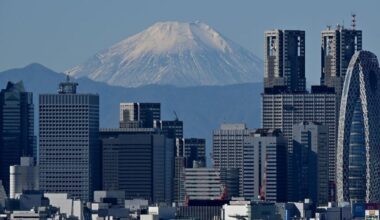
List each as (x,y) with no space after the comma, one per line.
(353,24)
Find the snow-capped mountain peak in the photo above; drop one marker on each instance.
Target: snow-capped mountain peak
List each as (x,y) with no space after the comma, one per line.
(177,53)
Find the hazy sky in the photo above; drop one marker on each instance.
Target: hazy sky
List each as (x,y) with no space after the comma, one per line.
(61,34)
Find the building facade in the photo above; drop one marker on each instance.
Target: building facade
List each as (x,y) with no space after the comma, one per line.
(23,177)
(338,46)
(135,114)
(172,129)
(192,149)
(284,60)
(179,180)
(358,151)
(283,111)
(190,153)
(227,146)
(16,128)
(203,184)
(310,143)
(69,145)
(264,172)
(139,161)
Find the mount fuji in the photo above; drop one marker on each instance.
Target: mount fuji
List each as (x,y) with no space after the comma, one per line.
(173,53)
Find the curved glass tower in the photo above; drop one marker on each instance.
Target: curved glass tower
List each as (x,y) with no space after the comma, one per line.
(357,160)
(358,150)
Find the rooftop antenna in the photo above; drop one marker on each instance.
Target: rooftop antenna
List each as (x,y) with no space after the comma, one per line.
(338,26)
(68,76)
(353,24)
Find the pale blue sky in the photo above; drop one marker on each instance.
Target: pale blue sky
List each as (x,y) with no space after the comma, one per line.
(61,34)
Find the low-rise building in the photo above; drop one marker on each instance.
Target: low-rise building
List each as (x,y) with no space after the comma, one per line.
(23,177)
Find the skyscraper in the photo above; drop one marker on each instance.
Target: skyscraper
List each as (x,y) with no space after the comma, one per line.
(284,60)
(135,114)
(192,149)
(69,142)
(310,143)
(172,129)
(16,128)
(358,153)
(283,111)
(264,172)
(227,147)
(338,46)
(139,161)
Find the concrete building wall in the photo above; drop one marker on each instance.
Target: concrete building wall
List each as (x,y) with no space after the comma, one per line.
(283,111)
(69,144)
(23,177)
(264,166)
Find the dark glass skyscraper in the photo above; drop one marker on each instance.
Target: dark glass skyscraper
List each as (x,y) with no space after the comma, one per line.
(284,60)
(338,46)
(16,128)
(310,146)
(139,161)
(69,142)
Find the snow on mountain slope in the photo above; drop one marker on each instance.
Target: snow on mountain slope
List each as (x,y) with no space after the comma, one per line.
(173,53)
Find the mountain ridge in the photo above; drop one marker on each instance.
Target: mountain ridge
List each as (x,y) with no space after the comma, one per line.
(173,53)
(199,107)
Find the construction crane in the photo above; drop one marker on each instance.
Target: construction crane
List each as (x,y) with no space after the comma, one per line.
(176,116)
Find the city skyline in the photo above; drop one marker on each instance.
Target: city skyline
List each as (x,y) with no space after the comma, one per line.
(175,141)
(75,46)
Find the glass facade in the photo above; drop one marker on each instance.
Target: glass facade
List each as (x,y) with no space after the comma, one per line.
(358,149)
(357,157)
(16,128)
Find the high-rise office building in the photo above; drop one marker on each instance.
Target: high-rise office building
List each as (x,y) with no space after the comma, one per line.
(135,114)
(310,145)
(192,149)
(283,111)
(284,60)
(172,129)
(264,172)
(69,142)
(16,128)
(358,153)
(23,177)
(227,146)
(338,46)
(139,161)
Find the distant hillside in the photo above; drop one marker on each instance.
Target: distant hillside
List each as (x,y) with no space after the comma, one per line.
(201,108)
